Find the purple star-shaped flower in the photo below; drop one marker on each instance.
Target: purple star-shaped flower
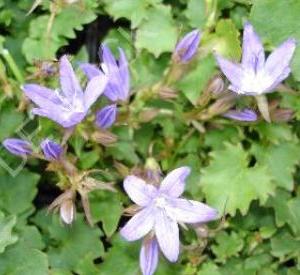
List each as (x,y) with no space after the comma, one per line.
(257,75)
(117,72)
(118,86)
(161,210)
(70,105)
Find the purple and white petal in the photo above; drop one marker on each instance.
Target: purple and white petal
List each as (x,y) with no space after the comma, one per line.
(41,96)
(189,211)
(188,45)
(139,225)
(232,71)
(139,191)
(253,51)
(69,83)
(90,70)
(124,75)
(149,256)
(18,147)
(108,59)
(61,116)
(277,64)
(167,234)
(106,117)
(173,184)
(241,115)
(51,149)
(94,89)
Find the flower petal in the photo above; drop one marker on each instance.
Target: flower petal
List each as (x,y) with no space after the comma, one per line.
(69,83)
(139,191)
(41,96)
(139,225)
(108,59)
(18,147)
(51,149)
(241,115)
(149,256)
(94,89)
(189,211)
(124,75)
(277,64)
(188,45)
(232,71)
(167,234)
(253,51)
(61,116)
(106,116)
(173,184)
(90,70)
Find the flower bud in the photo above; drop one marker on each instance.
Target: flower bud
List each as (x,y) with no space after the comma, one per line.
(216,86)
(66,206)
(51,150)
(221,105)
(187,47)
(241,115)
(67,211)
(106,116)
(18,147)
(148,115)
(105,138)
(167,93)
(282,115)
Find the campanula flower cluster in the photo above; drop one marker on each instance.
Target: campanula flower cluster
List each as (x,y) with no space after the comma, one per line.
(159,208)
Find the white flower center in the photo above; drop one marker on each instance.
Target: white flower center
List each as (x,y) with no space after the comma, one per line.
(256,82)
(160,202)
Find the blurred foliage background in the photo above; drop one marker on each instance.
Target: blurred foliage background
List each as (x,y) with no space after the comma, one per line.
(249,171)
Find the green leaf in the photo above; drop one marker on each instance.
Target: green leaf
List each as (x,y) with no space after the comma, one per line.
(225,41)
(6,235)
(274,133)
(291,102)
(284,244)
(196,13)
(278,202)
(135,11)
(20,260)
(229,183)
(193,83)
(227,245)
(88,159)
(17,193)
(40,44)
(282,24)
(209,268)
(24,258)
(69,245)
(10,121)
(124,150)
(216,138)
(106,207)
(280,160)
(157,34)
(121,258)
